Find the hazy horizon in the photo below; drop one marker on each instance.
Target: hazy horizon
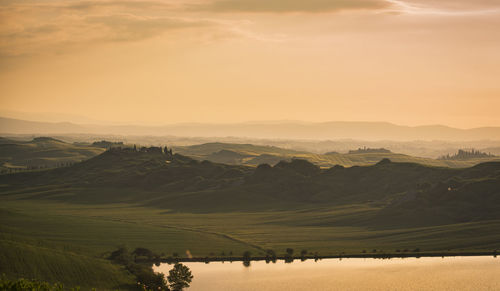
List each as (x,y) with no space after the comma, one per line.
(52,117)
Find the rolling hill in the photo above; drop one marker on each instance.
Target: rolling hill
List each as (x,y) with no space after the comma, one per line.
(173,204)
(179,182)
(253,155)
(47,152)
(42,152)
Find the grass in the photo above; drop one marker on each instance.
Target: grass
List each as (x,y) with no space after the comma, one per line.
(62,222)
(23,259)
(57,242)
(97,230)
(68,243)
(42,153)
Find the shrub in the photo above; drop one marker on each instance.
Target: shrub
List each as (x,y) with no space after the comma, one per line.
(29,285)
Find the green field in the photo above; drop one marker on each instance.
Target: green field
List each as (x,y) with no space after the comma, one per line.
(42,152)
(68,243)
(66,221)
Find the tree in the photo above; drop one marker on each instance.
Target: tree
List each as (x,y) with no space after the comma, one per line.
(247,256)
(271,256)
(143,252)
(289,255)
(179,277)
(147,278)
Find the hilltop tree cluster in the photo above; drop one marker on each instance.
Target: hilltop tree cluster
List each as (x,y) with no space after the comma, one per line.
(152,149)
(466,154)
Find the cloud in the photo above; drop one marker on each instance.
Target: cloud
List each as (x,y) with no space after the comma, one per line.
(445,7)
(48,26)
(129,27)
(91,5)
(457,5)
(284,6)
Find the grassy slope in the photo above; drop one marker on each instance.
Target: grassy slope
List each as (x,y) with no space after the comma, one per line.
(95,231)
(253,155)
(23,260)
(66,243)
(57,242)
(45,152)
(139,200)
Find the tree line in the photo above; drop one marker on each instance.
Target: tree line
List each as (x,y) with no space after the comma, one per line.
(179,276)
(466,154)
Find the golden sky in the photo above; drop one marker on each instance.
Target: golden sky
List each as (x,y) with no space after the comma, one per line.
(410,62)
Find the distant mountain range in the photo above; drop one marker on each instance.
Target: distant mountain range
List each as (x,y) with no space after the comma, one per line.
(274,130)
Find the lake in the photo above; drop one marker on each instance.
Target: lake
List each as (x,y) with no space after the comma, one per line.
(450,273)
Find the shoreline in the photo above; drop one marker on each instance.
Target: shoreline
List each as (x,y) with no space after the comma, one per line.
(316,258)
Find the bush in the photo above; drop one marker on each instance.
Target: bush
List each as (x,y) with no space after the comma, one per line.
(121,256)
(29,285)
(143,252)
(146,278)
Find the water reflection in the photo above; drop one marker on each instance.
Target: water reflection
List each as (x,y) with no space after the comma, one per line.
(456,273)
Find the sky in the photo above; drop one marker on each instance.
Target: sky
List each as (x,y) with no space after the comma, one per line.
(155,62)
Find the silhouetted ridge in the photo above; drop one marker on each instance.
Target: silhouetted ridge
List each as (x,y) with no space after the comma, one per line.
(302,167)
(46,139)
(384,162)
(226,157)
